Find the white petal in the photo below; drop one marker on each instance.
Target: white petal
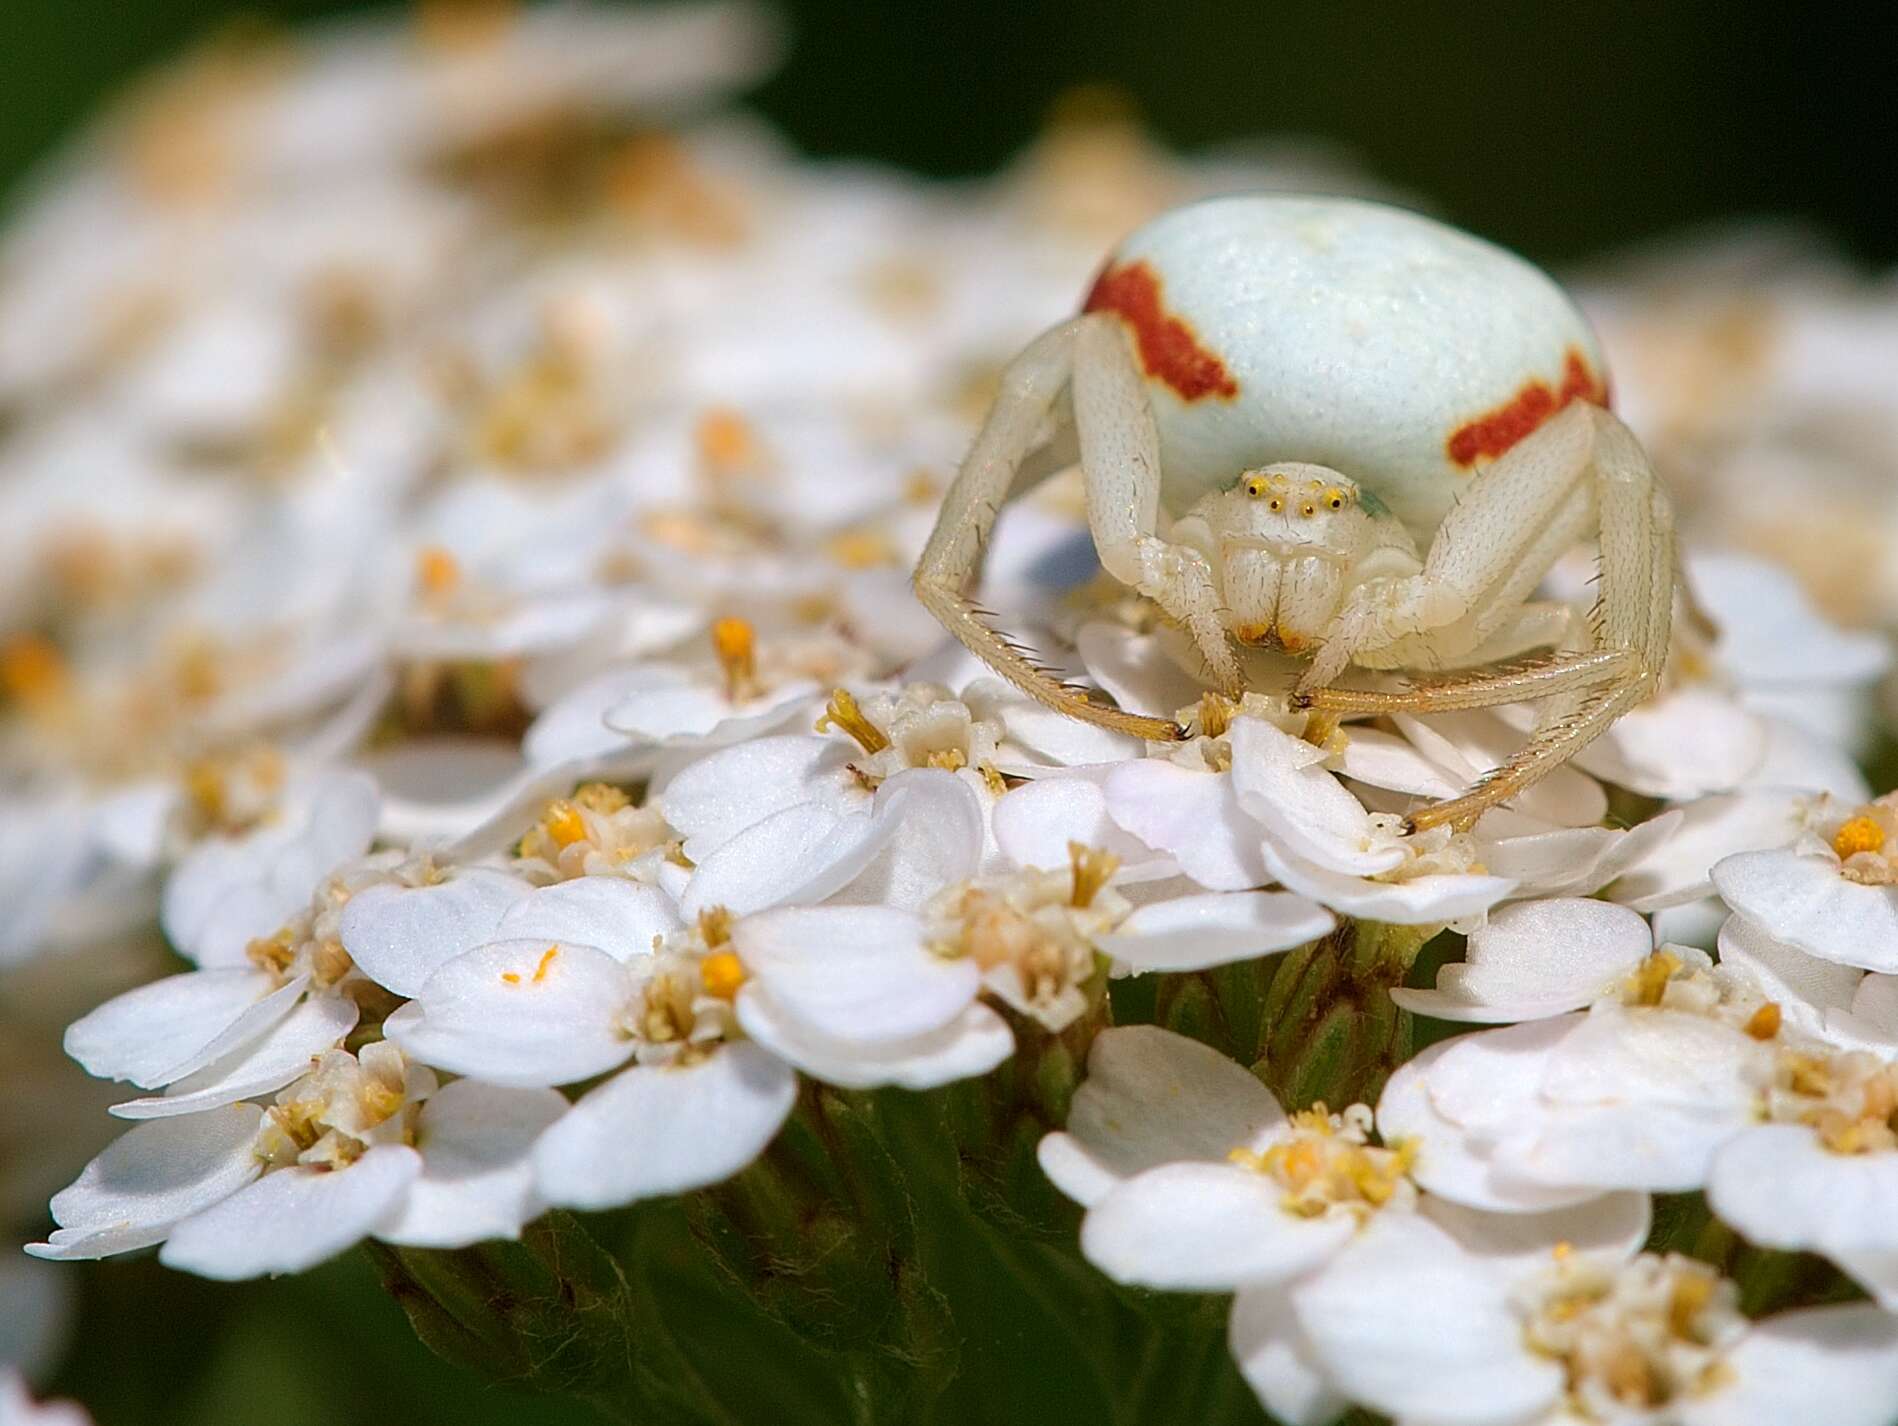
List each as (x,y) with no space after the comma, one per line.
(1683,744)
(692,713)
(1486,1081)
(1577,861)
(1045,735)
(1805,760)
(1692,923)
(1152,1097)
(1282,782)
(294,1218)
(151,1177)
(1875,1003)
(1771,633)
(1276,1360)
(854,973)
(1655,1056)
(477,1182)
(1200,1227)
(1421,901)
(1838,1365)
(779,860)
(618,916)
(1657,1148)
(525,1013)
(1423,1331)
(971,1044)
(575,727)
(926,832)
(1679,869)
(144,1034)
(1451,1161)
(231,890)
(1535,959)
(1192,816)
(1614,1224)
(1034,824)
(1135,668)
(1802,899)
(399,935)
(269,1062)
(652,1131)
(1388,761)
(720,795)
(1803,986)
(1195,932)
(1782,1188)
(1469,744)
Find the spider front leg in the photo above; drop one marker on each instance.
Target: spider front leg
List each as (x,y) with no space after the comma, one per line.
(993,472)
(1120,465)
(1582,470)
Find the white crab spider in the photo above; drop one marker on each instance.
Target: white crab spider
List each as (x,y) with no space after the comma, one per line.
(1278,403)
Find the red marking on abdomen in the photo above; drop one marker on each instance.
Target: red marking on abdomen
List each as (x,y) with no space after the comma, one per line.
(1169,349)
(1494,432)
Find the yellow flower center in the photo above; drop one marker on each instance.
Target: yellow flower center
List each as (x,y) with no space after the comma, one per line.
(1858,834)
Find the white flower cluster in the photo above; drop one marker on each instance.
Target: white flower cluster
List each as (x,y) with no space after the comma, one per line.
(456,540)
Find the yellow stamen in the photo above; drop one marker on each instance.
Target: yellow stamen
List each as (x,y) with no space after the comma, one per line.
(1692,1293)
(723,974)
(437,571)
(726,441)
(1649,983)
(1859,834)
(860,549)
(511,977)
(546,961)
(715,927)
(1764,1023)
(204,784)
(736,645)
(1215,714)
(1093,869)
(380,1100)
(842,712)
(602,797)
(272,953)
(563,823)
(31,668)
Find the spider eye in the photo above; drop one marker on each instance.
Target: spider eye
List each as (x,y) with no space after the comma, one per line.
(1255,486)
(1275,503)
(1334,499)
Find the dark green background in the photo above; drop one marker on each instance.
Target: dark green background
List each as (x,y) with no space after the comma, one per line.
(1560,129)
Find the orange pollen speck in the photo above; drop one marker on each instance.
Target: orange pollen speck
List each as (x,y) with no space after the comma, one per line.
(1859,834)
(437,571)
(31,667)
(564,823)
(722,973)
(511,977)
(546,959)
